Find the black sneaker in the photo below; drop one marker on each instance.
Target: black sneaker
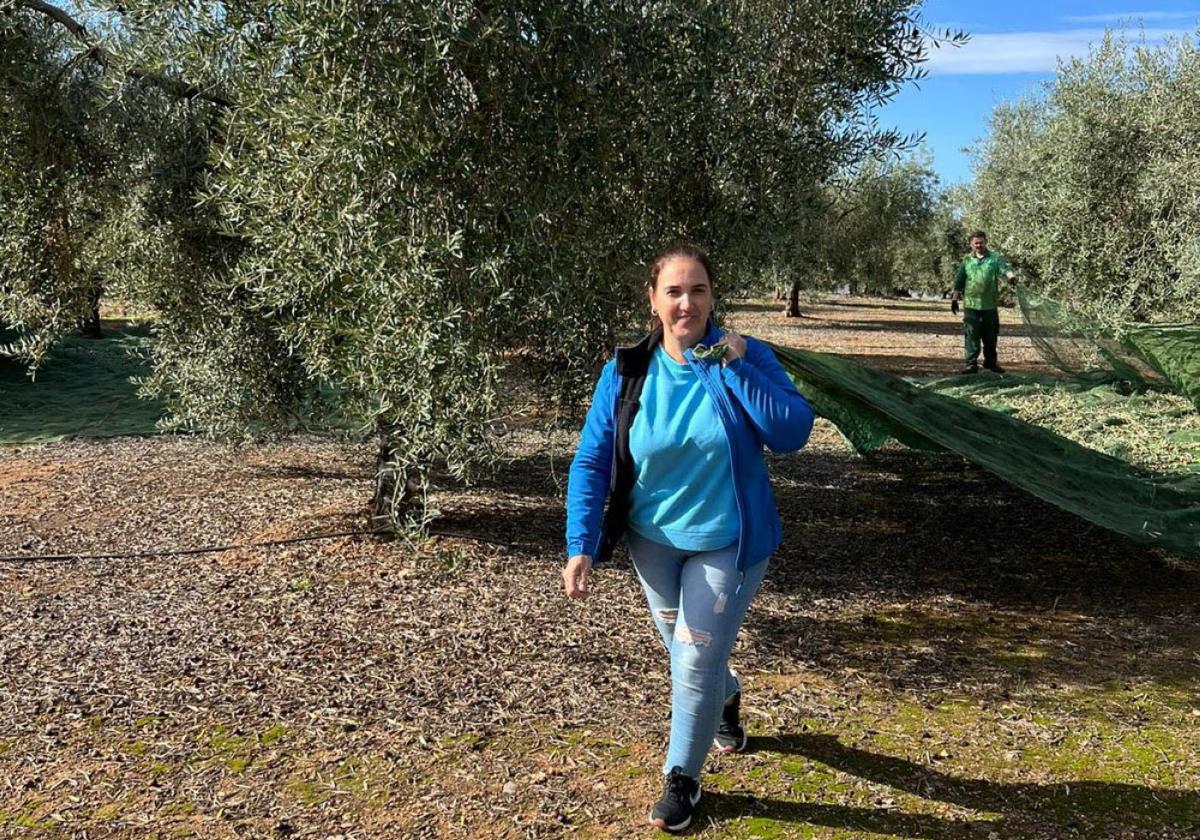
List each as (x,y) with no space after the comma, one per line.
(674,811)
(731,737)
(994,368)
(969,369)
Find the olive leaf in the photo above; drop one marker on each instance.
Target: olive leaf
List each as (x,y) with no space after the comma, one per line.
(714,353)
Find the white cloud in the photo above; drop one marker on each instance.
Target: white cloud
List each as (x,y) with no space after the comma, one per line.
(1026,52)
(1124,17)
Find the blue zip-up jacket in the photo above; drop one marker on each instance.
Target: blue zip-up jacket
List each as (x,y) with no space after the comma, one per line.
(755,400)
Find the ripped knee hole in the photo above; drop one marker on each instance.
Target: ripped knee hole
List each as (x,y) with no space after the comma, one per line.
(688,636)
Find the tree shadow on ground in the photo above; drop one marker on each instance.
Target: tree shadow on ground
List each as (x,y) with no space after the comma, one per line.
(540,473)
(307,472)
(955,573)
(948,364)
(807,307)
(904,519)
(951,326)
(1085,808)
(927,366)
(915,306)
(726,807)
(773,307)
(917,568)
(520,505)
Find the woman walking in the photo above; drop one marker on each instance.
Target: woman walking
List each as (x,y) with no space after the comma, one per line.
(673,446)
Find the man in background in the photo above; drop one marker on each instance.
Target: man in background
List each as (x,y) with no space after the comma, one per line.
(977,285)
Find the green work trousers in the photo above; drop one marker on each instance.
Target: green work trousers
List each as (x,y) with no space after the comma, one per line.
(980,326)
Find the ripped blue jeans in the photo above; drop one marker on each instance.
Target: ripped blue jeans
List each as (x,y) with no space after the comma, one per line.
(698,611)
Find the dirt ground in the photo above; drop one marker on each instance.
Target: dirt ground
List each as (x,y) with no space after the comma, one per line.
(934,654)
(904,337)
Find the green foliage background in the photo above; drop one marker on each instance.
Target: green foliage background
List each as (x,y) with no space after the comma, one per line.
(1089,187)
(888,225)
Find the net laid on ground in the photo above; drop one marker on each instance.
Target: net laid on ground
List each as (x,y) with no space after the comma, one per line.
(870,406)
(1145,355)
(83,389)
(1156,429)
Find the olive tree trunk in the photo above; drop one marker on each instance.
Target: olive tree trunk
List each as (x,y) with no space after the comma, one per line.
(793,307)
(89,325)
(397,493)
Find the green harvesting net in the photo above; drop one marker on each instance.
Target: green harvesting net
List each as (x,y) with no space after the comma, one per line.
(83,389)
(1174,352)
(1146,355)
(870,406)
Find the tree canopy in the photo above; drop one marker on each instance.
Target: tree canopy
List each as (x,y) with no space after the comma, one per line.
(379,208)
(889,225)
(1090,185)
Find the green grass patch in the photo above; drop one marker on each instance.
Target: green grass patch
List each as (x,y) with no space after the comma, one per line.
(25,819)
(273,734)
(178,809)
(300,584)
(959,766)
(109,811)
(366,781)
(238,765)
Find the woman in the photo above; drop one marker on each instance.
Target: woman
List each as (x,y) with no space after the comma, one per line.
(673,443)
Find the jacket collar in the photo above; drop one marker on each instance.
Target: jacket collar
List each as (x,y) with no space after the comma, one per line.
(712,335)
(635,358)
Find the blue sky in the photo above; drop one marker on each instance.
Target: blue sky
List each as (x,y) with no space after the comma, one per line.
(1013,48)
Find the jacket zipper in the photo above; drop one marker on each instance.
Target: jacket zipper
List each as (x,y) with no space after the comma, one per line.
(612,472)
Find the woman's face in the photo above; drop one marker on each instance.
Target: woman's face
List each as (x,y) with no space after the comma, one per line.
(683,299)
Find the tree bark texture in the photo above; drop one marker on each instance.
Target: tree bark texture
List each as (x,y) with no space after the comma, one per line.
(793,307)
(395,492)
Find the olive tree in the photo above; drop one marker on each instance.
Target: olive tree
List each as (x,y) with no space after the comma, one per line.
(1089,186)
(400,207)
(90,157)
(928,257)
(882,228)
(62,177)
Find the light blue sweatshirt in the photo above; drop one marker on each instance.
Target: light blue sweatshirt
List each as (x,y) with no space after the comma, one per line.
(683,495)
(758,405)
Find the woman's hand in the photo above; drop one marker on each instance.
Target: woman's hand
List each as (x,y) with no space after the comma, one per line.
(575,576)
(736,345)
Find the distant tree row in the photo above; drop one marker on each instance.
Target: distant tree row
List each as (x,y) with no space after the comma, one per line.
(892,227)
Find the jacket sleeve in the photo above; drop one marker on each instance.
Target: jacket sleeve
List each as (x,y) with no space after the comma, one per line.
(960,278)
(782,417)
(591,469)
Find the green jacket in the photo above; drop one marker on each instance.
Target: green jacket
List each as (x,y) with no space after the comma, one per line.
(979,280)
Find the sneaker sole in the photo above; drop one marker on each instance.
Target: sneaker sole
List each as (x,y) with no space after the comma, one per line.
(661,825)
(728,749)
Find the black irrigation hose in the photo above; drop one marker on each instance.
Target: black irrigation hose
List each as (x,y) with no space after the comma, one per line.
(213,549)
(176,552)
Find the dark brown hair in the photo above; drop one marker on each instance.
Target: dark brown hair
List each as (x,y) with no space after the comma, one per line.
(977,235)
(676,251)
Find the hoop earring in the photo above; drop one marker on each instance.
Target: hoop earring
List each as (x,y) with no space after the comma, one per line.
(654,312)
